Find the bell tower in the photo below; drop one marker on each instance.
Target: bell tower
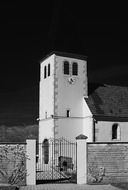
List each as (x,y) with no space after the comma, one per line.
(63,86)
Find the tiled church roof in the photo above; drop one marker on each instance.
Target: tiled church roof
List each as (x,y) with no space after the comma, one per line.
(109,102)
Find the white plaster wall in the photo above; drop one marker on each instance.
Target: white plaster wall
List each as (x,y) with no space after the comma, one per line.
(88,129)
(70,128)
(86,110)
(71,96)
(46,129)
(57,95)
(104,131)
(46,100)
(46,89)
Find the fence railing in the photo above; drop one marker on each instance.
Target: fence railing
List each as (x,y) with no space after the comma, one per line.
(56,161)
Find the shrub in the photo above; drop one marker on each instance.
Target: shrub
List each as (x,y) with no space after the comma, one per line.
(12,164)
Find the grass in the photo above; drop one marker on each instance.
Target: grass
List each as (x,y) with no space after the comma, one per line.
(8,187)
(122,186)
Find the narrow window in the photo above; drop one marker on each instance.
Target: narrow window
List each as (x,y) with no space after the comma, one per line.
(115,131)
(66,67)
(45,72)
(46,115)
(68,113)
(48,70)
(45,151)
(74,68)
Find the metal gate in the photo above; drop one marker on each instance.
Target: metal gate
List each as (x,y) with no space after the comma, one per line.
(56,161)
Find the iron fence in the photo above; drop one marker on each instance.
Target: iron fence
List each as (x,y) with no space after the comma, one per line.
(56,161)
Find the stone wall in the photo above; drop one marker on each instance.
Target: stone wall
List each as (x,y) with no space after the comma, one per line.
(107,162)
(13,163)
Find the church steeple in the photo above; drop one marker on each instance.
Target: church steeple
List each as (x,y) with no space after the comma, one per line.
(63,84)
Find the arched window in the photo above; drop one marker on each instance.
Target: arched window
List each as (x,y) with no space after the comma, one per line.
(48,70)
(45,71)
(115,131)
(68,113)
(45,147)
(74,68)
(66,67)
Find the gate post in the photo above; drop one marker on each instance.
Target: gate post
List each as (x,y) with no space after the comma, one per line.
(31,162)
(81,159)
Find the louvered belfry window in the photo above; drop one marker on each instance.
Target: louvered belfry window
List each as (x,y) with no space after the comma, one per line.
(45,71)
(74,68)
(66,67)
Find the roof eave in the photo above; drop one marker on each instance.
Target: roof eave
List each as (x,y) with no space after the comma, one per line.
(65,54)
(110,118)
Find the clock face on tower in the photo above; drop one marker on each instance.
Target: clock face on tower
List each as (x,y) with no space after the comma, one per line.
(71,80)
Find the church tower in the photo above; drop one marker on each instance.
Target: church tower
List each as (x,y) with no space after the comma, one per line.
(63,86)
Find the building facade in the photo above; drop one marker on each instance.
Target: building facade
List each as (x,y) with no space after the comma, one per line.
(63,86)
(67,110)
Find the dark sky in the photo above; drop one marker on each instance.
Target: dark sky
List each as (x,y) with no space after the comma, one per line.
(29,32)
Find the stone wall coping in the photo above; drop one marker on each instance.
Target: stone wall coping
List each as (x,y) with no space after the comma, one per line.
(81,136)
